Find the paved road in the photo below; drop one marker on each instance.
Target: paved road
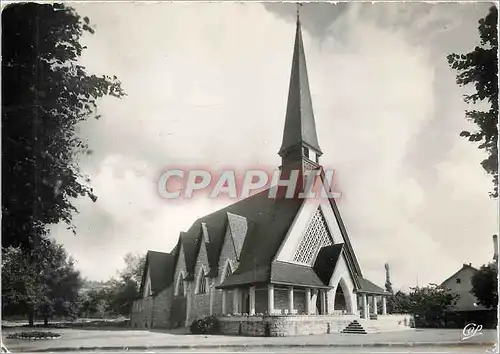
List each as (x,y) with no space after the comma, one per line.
(354,350)
(87,340)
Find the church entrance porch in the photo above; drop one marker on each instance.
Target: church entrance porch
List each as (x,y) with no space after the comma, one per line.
(369,305)
(277,299)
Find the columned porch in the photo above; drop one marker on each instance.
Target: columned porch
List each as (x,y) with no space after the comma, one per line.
(279,299)
(368,304)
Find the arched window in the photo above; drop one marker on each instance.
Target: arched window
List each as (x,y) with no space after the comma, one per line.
(202,282)
(179,288)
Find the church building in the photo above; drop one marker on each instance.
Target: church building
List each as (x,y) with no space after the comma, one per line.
(268,266)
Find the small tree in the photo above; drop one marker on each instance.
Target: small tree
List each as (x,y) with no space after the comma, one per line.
(125,289)
(124,292)
(430,304)
(46,284)
(485,285)
(134,268)
(400,302)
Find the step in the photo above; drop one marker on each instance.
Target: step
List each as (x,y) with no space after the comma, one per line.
(354,328)
(354,332)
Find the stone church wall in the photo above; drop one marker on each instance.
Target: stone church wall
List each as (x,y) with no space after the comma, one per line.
(152,312)
(178,311)
(161,309)
(142,313)
(200,306)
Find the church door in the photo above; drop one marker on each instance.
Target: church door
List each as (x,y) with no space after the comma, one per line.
(340,303)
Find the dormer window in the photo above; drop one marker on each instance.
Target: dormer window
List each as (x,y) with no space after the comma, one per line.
(306,152)
(459,281)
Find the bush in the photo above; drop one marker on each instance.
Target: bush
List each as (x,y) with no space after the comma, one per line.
(207,325)
(34,335)
(197,326)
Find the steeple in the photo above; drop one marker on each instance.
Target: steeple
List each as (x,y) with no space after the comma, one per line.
(300,141)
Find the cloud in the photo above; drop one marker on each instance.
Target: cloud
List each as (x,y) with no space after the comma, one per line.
(207,85)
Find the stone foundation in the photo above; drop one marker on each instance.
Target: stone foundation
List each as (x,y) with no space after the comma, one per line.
(281,326)
(305,325)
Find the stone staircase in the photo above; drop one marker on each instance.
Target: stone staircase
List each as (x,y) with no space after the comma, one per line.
(354,328)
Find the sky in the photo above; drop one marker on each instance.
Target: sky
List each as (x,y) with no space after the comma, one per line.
(207,84)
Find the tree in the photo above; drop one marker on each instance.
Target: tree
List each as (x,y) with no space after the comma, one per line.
(480,68)
(96,303)
(126,288)
(45,95)
(124,292)
(45,285)
(484,285)
(430,304)
(134,268)
(398,303)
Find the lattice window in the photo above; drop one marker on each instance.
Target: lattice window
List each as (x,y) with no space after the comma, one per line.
(316,236)
(202,283)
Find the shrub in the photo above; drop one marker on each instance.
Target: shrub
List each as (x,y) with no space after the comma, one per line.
(35,335)
(212,325)
(197,326)
(207,325)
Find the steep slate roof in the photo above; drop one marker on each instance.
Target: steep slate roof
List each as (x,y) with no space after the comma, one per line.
(239,227)
(295,274)
(191,241)
(366,286)
(267,222)
(352,261)
(299,122)
(161,270)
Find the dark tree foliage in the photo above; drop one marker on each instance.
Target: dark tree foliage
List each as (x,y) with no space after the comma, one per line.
(134,268)
(485,285)
(118,295)
(480,69)
(400,302)
(45,95)
(45,286)
(126,288)
(430,305)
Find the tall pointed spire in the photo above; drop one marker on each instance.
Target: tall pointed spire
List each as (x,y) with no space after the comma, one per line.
(300,128)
